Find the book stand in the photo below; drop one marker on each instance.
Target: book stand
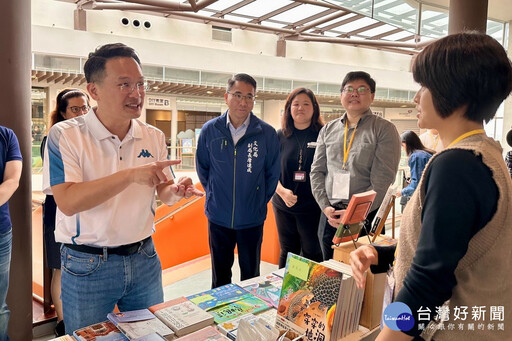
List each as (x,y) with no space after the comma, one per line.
(354,217)
(389,207)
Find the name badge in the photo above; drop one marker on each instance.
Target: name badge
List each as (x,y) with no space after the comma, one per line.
(341,185)
(299,176)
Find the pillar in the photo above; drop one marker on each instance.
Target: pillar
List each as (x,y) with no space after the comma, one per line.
(15,65)
(467,15)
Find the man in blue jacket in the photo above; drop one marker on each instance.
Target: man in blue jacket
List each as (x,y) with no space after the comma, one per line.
(237,162)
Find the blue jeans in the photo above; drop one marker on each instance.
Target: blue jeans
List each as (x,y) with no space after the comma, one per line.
(93,284)
(5,265)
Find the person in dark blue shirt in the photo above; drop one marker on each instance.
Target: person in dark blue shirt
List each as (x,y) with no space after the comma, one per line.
(10,173)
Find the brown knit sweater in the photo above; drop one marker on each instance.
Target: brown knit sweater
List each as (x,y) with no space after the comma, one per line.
(484,274)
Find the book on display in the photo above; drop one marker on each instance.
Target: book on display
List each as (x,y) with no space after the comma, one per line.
(354,216)
(205,334)
(266,287)
(182,316)
(319,301)
(103,331)
(139,323)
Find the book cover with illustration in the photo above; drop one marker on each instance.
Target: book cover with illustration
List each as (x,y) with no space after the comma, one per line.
(103,331)
(266,287)
(139,323)
(217,297)
(248,303)
(182,316)
(309,299)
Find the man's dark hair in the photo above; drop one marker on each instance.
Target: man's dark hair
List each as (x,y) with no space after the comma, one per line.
(465,69)
(509,138)
(94,67)
(354,75)
(241,77)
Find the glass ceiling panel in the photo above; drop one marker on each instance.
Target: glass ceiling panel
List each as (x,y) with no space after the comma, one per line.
(397,36)
(397,12)
(495,30)
(237,18)
(222,4)
(272,24)
(298,13)
(434,22)
(258,8)
(378,30)
(354,25)
(358,6)
(345,17)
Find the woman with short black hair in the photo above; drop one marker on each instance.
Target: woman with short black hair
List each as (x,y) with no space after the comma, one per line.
(453,253)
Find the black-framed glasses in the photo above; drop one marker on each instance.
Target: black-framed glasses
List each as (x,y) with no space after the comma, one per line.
(238,96)
(360,90)
(78,110)
(127,88)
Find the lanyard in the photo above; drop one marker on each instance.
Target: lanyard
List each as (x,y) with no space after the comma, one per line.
(434,139)
(468,134)
(345,150)
(301,148)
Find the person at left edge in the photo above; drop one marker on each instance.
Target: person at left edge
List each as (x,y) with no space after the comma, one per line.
(237,162)
(103,170)
(10,173)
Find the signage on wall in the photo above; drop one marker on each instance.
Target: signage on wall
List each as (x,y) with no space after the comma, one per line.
(158,103)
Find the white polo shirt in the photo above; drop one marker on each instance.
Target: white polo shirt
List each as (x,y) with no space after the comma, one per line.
(82,149)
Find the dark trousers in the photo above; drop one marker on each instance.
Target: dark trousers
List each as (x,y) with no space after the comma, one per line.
(222,248)
(330,231)
(298,233)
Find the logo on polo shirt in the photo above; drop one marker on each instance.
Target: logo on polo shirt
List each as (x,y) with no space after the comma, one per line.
(145,153)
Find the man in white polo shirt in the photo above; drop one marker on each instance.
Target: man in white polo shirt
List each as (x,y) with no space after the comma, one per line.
(103,171)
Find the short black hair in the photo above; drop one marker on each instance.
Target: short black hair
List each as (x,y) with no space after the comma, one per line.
(465,69)
(241,77)
(509,138)
(94,67)
(353,75)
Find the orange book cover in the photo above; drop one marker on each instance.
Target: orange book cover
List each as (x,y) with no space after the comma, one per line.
(355,213)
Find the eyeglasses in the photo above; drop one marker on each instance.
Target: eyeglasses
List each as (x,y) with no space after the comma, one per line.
(77,110)
(127,88)
(239,96)
(350,90)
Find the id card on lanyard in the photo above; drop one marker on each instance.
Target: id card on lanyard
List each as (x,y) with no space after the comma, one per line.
(341,179)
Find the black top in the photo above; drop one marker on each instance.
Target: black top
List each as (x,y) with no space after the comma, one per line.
(290,151)
(461,197)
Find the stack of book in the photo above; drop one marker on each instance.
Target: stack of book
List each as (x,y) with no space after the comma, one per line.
(319,301)
(266,287)
(228,302)
(205,334)
(136,324)
(182,316)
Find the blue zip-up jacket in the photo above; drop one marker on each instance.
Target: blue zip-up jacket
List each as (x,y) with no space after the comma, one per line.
(238,180)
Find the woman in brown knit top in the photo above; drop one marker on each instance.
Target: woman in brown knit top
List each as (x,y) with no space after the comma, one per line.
(454,252)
